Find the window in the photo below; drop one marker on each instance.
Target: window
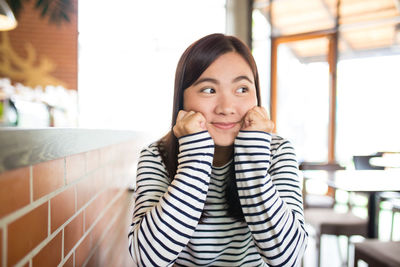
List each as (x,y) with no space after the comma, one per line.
(366,86)
(303,103)
(368,108)
(128,51)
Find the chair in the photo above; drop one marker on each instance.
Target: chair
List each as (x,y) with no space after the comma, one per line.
(395,209)
(393,199)
(330,222)
(327,221)
(319,201)
(377,253)
(363,162)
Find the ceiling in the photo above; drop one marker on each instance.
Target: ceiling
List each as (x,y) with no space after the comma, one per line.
(365,27)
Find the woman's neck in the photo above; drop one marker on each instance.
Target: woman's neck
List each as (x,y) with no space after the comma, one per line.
(222,155)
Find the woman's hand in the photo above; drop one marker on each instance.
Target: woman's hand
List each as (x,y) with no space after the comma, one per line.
(189,122)
(257,119)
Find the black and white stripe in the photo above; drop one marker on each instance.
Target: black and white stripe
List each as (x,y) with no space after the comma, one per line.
(166,230)
(270,195)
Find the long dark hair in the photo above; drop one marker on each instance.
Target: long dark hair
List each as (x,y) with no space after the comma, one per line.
(193,62)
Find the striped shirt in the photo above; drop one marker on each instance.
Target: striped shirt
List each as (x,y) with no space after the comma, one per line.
(166,228)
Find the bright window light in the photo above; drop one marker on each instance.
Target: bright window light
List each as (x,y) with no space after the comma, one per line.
(368,109)
(128,52)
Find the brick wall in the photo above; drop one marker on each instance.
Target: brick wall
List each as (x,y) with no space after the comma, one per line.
(72,211)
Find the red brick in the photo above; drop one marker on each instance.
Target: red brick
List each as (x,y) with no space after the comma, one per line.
(75,167)
(106,247)
(50,255)
(118,231)
(121,209)
(94,260)
(92,160)
(87,188)
(62,208)
(114,237)
(26,233)
(95,208)
(120,245)
(73,232)
(47,177)
(14,190)
(82,251)
(69,262)
(99,228)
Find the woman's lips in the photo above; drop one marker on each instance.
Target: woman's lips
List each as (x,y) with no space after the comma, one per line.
(224,125)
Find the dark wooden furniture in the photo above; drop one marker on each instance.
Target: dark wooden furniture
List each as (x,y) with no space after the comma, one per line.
(319,212)
(371,182)
(377,253)
(313,200)
(330,222)
(363,162)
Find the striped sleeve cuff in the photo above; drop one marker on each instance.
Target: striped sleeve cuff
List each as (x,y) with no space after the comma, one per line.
(196,153)
(195,144)
(252,146)
(254,138)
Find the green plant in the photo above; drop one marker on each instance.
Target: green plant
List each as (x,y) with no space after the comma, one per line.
(57,11)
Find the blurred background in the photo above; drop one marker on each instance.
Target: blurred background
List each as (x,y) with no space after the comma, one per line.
(116,64)
(329,71)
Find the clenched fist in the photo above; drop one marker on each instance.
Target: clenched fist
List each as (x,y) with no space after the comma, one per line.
(189,122)
(257,119)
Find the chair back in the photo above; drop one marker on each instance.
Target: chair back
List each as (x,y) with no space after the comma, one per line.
(363,162)
(305,166)
(319,201)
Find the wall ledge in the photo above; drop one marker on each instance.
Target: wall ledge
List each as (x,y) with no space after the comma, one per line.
(23,147)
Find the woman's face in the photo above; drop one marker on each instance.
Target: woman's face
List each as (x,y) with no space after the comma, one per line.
(223,94)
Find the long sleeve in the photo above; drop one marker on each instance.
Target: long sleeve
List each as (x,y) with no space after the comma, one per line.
(270,195)
(167,213)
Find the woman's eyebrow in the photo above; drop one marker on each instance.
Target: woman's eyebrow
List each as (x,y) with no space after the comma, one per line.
(242,77)
(215,81)
(202,80)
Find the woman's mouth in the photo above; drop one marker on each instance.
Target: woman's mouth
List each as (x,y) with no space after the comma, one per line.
(224,125)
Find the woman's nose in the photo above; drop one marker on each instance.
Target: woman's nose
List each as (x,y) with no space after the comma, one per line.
(225,105)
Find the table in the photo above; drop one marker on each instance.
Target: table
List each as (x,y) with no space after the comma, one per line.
(371,182)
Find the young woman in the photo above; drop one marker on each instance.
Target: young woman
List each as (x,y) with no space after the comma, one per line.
(219,189)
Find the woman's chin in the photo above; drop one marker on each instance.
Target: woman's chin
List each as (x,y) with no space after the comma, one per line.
(224,141)
(224,138)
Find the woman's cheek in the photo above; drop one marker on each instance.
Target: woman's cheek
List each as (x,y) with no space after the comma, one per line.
(247,108)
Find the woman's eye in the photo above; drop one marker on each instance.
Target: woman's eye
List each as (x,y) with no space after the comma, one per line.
(242,90)
(208,90)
